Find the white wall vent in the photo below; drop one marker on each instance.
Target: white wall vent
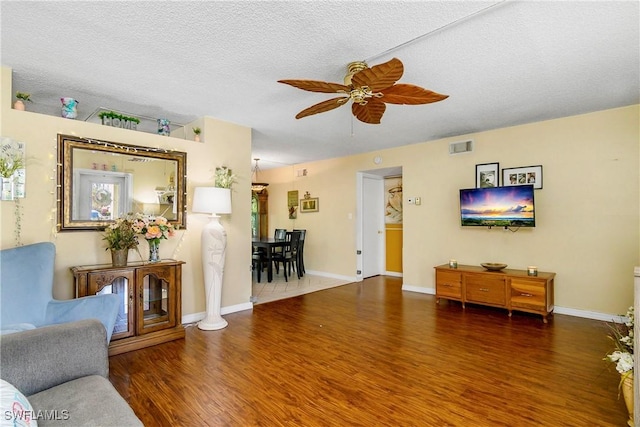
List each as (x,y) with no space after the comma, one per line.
(461,147)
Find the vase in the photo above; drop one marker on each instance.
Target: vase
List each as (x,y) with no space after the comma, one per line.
(164,127)
(69,108)
(18,105)
(119,257)
(7,188)
(627,392)
(154,250)
(196,138)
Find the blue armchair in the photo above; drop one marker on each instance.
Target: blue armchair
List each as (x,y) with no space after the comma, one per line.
(26,293)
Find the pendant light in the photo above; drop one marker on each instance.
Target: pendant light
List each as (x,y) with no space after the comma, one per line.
(257,186)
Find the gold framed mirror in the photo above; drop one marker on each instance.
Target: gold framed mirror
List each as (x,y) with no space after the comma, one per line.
(100,181)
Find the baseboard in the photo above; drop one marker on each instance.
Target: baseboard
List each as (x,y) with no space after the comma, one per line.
(586,314)
(196,317)
(393,273)
(419,289)
(192,318)
(332,276)
(557,310)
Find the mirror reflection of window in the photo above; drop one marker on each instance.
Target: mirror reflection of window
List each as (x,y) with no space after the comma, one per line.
(101,195)
(102,201)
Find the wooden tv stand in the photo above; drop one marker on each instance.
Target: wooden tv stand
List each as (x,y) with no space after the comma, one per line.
(510,289)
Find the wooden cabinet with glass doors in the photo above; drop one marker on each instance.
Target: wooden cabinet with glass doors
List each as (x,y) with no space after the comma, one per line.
(150,294)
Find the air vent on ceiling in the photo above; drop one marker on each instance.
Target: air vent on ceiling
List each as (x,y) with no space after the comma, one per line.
(461,147)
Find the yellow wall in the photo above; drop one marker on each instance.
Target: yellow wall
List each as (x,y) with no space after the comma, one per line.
(393,247)
(588,218)
(393,224)
(225,144)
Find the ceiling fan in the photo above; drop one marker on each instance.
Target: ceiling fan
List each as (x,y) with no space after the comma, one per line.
(369,89)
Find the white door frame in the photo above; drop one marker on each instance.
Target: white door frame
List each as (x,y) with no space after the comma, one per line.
(360,196)
(376,173)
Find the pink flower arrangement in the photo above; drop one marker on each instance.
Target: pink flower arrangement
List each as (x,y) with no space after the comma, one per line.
(153,228)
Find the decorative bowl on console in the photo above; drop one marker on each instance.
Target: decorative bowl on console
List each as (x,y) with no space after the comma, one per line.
(493,266)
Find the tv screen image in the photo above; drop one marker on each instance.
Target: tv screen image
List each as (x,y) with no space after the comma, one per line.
(498,206)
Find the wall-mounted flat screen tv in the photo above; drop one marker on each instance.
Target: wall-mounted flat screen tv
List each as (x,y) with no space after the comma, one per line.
(498,206)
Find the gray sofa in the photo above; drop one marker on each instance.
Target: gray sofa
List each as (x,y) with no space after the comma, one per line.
(63,370)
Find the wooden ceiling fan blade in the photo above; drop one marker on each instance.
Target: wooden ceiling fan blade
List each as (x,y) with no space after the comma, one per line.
(317,86)
(379,76)
(371,112)
(321,107)
(410,94)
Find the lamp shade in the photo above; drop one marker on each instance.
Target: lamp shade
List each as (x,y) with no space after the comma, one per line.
(212,200)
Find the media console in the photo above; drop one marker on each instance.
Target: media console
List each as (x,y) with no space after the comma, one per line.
(510,289)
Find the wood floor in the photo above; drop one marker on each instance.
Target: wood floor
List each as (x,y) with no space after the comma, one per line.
(368,354)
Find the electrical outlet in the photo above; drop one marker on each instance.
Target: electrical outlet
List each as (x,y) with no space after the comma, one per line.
(418,200)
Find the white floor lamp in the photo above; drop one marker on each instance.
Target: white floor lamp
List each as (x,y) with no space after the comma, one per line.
(213,201)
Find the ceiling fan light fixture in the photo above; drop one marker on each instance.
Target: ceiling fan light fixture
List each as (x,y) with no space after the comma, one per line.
(359,95)
(353,68)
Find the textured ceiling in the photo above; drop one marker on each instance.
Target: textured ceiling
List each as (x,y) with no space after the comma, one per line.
(513,63)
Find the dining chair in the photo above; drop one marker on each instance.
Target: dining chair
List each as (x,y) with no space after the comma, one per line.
(289,256)
(303,235)
(258,261)
(279,234)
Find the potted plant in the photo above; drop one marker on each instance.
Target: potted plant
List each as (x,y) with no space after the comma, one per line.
(622,355)
(196,133)
(224,178)
(120,237)
(21,98)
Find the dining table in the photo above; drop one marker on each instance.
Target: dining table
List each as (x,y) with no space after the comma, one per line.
(269,243)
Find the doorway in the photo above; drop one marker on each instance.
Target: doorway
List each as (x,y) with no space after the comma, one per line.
(371,241)
(260,214)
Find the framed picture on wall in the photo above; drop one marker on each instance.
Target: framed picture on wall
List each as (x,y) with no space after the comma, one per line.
(522,176)
(292,203)
(310,204)
(488,175)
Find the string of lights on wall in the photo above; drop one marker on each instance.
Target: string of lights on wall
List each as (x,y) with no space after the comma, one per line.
(18,222)
(126,148)
(56,190)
